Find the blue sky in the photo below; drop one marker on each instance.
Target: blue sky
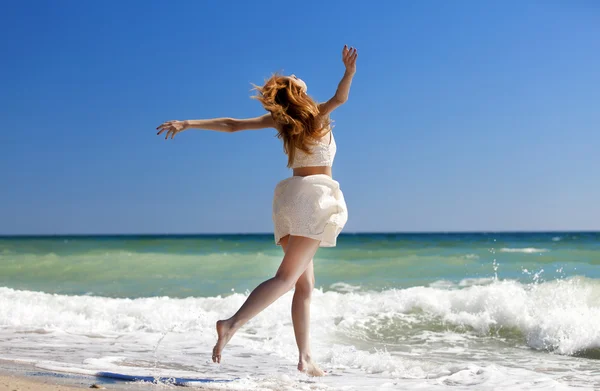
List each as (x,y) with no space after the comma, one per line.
(463,115)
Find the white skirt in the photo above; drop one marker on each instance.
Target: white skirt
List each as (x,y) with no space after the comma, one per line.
(312,206)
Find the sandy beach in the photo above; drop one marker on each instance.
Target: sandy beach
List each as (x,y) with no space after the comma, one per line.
(26,377)
(16,376)
(11,382)
(20,383)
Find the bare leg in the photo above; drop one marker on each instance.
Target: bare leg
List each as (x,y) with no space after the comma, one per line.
(301,318)
(300,251)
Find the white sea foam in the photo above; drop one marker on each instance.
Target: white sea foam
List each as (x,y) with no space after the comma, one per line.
(476,281)
(442,284)
(528,250)
(344,287)
(407,338)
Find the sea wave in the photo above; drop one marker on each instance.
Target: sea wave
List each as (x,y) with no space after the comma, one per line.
(528,250)
(392,334)
(560,316)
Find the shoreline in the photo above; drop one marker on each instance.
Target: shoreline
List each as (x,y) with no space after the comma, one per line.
(16,376)
(26,377)
(21,383)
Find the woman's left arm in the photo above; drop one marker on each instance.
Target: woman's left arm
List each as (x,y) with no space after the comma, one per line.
(227,125)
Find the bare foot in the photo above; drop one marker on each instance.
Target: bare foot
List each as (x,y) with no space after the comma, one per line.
(309,367)
(225,333)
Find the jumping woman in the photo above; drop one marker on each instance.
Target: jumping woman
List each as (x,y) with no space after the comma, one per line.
(309,210)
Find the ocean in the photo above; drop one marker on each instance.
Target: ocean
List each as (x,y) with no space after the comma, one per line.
(476,311)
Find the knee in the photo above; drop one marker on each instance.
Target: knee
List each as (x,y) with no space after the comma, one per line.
(305,286)
(286,279)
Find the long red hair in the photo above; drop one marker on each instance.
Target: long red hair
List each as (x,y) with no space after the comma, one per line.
(296,114)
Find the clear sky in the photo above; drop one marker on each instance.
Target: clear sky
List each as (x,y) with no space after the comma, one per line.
(463,115)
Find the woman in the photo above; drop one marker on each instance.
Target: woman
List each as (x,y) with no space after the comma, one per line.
(309,210)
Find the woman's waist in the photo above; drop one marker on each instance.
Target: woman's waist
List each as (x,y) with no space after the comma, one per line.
(308,171)
(298,182)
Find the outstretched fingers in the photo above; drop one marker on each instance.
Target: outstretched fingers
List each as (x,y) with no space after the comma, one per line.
(164,126)
(347,52)
(170,127)
(349,55)
(353,57)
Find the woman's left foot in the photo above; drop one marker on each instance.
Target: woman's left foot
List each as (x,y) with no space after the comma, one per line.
(309,367)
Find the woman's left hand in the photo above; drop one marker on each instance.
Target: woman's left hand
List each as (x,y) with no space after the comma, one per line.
(172,128)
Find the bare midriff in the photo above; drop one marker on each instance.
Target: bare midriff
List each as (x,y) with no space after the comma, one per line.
(306,171)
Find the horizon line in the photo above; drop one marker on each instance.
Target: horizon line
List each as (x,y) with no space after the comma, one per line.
(271,233)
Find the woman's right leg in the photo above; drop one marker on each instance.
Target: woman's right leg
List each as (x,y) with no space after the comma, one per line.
(301,317)
(300,251)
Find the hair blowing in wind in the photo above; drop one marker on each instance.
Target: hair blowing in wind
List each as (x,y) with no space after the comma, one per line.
(294,111)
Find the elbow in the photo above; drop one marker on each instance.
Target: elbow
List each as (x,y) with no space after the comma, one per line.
(340,99)
(232,125)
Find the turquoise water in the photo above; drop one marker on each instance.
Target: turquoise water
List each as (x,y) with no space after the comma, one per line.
(210,265)
(482,311)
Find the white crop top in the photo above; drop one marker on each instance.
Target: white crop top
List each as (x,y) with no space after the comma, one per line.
(323,154)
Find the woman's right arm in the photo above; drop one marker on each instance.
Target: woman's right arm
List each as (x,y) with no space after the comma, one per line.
(227,125)
(341,94)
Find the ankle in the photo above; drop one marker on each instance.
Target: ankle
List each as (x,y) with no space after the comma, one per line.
(305,357)
(233,324)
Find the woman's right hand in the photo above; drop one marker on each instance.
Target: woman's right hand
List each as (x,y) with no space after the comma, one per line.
(349,58)
(172,128)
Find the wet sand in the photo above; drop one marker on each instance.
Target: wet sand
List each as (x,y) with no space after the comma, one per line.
(21,383)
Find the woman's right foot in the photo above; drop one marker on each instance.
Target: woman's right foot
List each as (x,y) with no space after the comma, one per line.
(308,366)
(224,332)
